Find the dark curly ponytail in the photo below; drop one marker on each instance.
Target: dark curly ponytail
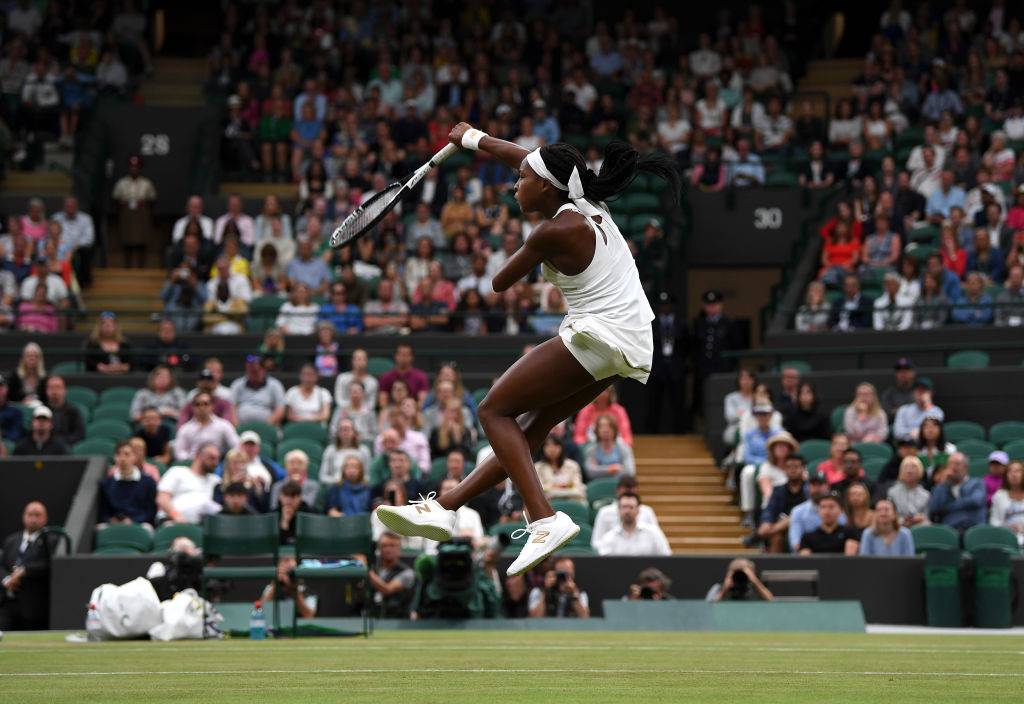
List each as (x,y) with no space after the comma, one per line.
(621,165)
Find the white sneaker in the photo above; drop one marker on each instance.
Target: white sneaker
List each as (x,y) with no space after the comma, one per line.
(424,518)
(545,536)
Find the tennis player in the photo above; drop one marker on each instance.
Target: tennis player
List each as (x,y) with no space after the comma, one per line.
(606,333)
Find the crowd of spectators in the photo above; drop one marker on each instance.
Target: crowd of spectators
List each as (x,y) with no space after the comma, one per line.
(930,150)
(880,466)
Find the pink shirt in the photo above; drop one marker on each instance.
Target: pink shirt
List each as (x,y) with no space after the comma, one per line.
(589,413)
(42,319)
(34,230)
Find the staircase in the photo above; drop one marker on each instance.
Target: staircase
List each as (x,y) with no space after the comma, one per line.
(175,82)
(133,293)
(679,480)
(832,76)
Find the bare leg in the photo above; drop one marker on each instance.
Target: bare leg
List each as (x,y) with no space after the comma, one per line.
(548,375)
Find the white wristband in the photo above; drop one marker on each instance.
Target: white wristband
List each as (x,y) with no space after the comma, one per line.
(471,139)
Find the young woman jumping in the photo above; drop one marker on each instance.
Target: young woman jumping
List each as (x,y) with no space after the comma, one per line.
(606,333)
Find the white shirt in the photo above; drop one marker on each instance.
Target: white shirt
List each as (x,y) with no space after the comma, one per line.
(78,230)
(345,379)
(238,287)
(643,540)
(705,62)
(205,224)
(245,224)
(898,319)
(56,289)
(191,494)
(481,283)
(607,520)
(307,407)
(297,320)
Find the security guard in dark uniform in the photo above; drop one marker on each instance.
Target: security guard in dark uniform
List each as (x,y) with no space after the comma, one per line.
(669,368)
(713,334)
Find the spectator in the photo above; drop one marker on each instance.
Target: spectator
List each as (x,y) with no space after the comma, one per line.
(787,400)
(209,382)
(651,584)
(258,397)
(775,517)
(306,402)
(832,467)
(47,274)
(893,310)
(886,536)
(606,403)
(167,350)
(933,449)
(814,314)
(607,517)
(740,583)
(943,198)
(737,403)
(608,455)
(830,536)
(386,314)
(425,226)
(298,315)
(746,168)
(815,172)
(162,392)
(859,513)
(959,501)
(765,475)
(927,177)
(185,494)
(988,260)
(253,489)
(974,306)
(193,213)
(129,496)
(204,429)
(107,350)
(1008,502)
(25,572)
(908,497)
(38,314)
(358,412)
(414,379)
(451,432)
(296,467)
(350,495)
(358,372)
(853,472)
(29,377)
(998,461)
(864,419)
(242,223)
(228,295)
(807,421)
(910,416)
(259,467)
(78,235)
(561,477)
(710,175)
(932,308)
(753,448)
(344,316)
(307,269)
(68,424)
(881,249)
(155,435)
(852,311)
(633,537)
(268,271)
(954,257)
(845,127)
(391,581)
(41,441)
(949,283)
(805,517)
(272,349)
(289,502)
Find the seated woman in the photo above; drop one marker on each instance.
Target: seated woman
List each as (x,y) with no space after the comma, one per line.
(351,495)
(37,314)
(767,475)
(604,404)
(932,447)
(560,476)
(608,456)
(954,257)
(840,255)
(272,349)
(864,420)
(908,497)
(885,535)
(1008,502)
(161,392)
(813,315)
(859,515)
(268,276)
(28,382)
(452,433)
(807,421)
(306,402)
(298,315)
(107,351)
(737,403)
(345,444)
(449,373)
(235,471)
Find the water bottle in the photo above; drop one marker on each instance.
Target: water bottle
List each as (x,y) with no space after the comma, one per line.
(93,627)
(257,624)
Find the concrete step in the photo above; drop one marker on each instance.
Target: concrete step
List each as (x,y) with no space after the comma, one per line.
(37,183)
(259,190)
(710,531)
(699,520)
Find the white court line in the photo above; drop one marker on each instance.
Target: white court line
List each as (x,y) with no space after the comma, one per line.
(524,670)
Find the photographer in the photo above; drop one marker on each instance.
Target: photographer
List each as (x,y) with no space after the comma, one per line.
(651,585)
(741,583)
(559,597)
(180,569)
(183,298)
(291,588)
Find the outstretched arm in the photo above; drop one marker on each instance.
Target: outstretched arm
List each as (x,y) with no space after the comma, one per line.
(508,153)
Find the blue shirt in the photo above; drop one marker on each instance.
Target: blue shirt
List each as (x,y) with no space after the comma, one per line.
(755,450)
(308,129)
(805,519)
(12,423)
(606,64)
(939,203)
(548,130)
(909,418)
(966,312)
(963,512)
(950,285)
(135,499)
(746,172)
(350,499)
(901,546)
(343,320)
(313,273)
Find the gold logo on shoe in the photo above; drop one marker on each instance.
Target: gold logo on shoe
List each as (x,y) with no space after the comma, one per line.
(541,536)
(422,508)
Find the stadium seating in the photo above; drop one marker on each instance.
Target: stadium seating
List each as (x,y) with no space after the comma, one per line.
(110,429)
(815,449)
(308,431)
(968,359)
(603,488)
(975,448)
(119,539)
(329,537)
(578,512)
(269,434)
(985,536)
(932,537)
(1006,432)
(117,395)
(103,447)
(312,448)
(959,430)
(165,535)
(252,537)
(873,449)
(83,395)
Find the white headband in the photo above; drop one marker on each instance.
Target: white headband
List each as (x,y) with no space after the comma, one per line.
(575,187)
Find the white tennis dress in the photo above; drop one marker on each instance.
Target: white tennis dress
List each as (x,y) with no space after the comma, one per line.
(608,326)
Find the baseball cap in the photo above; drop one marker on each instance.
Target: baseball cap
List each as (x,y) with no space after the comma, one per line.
(42,412)
(813,475)
(923,382)
(252,358)
(712,296)
(999,456)
(653,222)
(762,408)
(206,374)
(903,363)
(250,436)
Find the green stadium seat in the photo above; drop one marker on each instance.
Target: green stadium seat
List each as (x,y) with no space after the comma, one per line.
(873,467)
(479,394)
(837,418)
(985,536)
(65,368)
(123,538)
(26,414)
(798,364)
(924,235)
(977,466)
(508,529)
(112,411)
(263,312)
(380,365)
(993,588)
(910,137)
(942,566)
(117,394)
(781,178)
(576,510)
(83,395)
(582,539)
(601,489)
(815,449)
(596,506)
(161,466)
(1006,432)
(641,203)
(438,470)
(1015,449)
(102,447)
(242,536)
(268,433)
(110,429)
(934,537)
(308,431)
(975,448)
(920,252)
(313,449)
(968,359)
(959,430)
(165,535)
(873,449)
(83,409)
(330,537)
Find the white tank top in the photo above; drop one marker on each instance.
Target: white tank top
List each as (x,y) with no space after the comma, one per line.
(606,299)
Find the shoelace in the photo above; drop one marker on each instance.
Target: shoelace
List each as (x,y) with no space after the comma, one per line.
(423,499)
(527,530)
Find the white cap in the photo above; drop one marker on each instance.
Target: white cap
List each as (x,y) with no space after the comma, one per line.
(250,436)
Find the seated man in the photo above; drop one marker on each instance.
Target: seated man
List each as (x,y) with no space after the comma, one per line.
(607,518)
(185,494)
(958,502)
(235,500)
(909,417)
(559,596)
(831,536)
(204,428)
(258,397)
(68,425)
(774,527)
(392,582)
(853,473)
(633,537)
(41,440)
(296,469)
(207,382)
(805,517)
(974,305)
(129,496)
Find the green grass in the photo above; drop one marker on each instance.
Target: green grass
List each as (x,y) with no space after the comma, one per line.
(492,667)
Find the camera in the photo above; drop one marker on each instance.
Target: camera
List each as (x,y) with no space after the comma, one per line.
(646,592)
(561,577)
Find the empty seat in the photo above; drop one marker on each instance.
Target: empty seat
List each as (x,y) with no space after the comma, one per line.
(873,449)
(968,359)
(309,431)
(165,535)
(935,537)
(975,448)
(83,395)
(110,429)
(117,394)
(958,430)
(1006,432)
(123,539)
(985,536)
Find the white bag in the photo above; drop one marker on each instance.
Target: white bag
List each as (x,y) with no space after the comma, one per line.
(183,618)
(126,611)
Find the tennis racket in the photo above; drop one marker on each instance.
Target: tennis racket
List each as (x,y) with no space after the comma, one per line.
(366,216)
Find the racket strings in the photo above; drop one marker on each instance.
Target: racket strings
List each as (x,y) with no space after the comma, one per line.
(366,215)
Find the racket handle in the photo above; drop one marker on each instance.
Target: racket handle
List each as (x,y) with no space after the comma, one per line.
(443,154)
